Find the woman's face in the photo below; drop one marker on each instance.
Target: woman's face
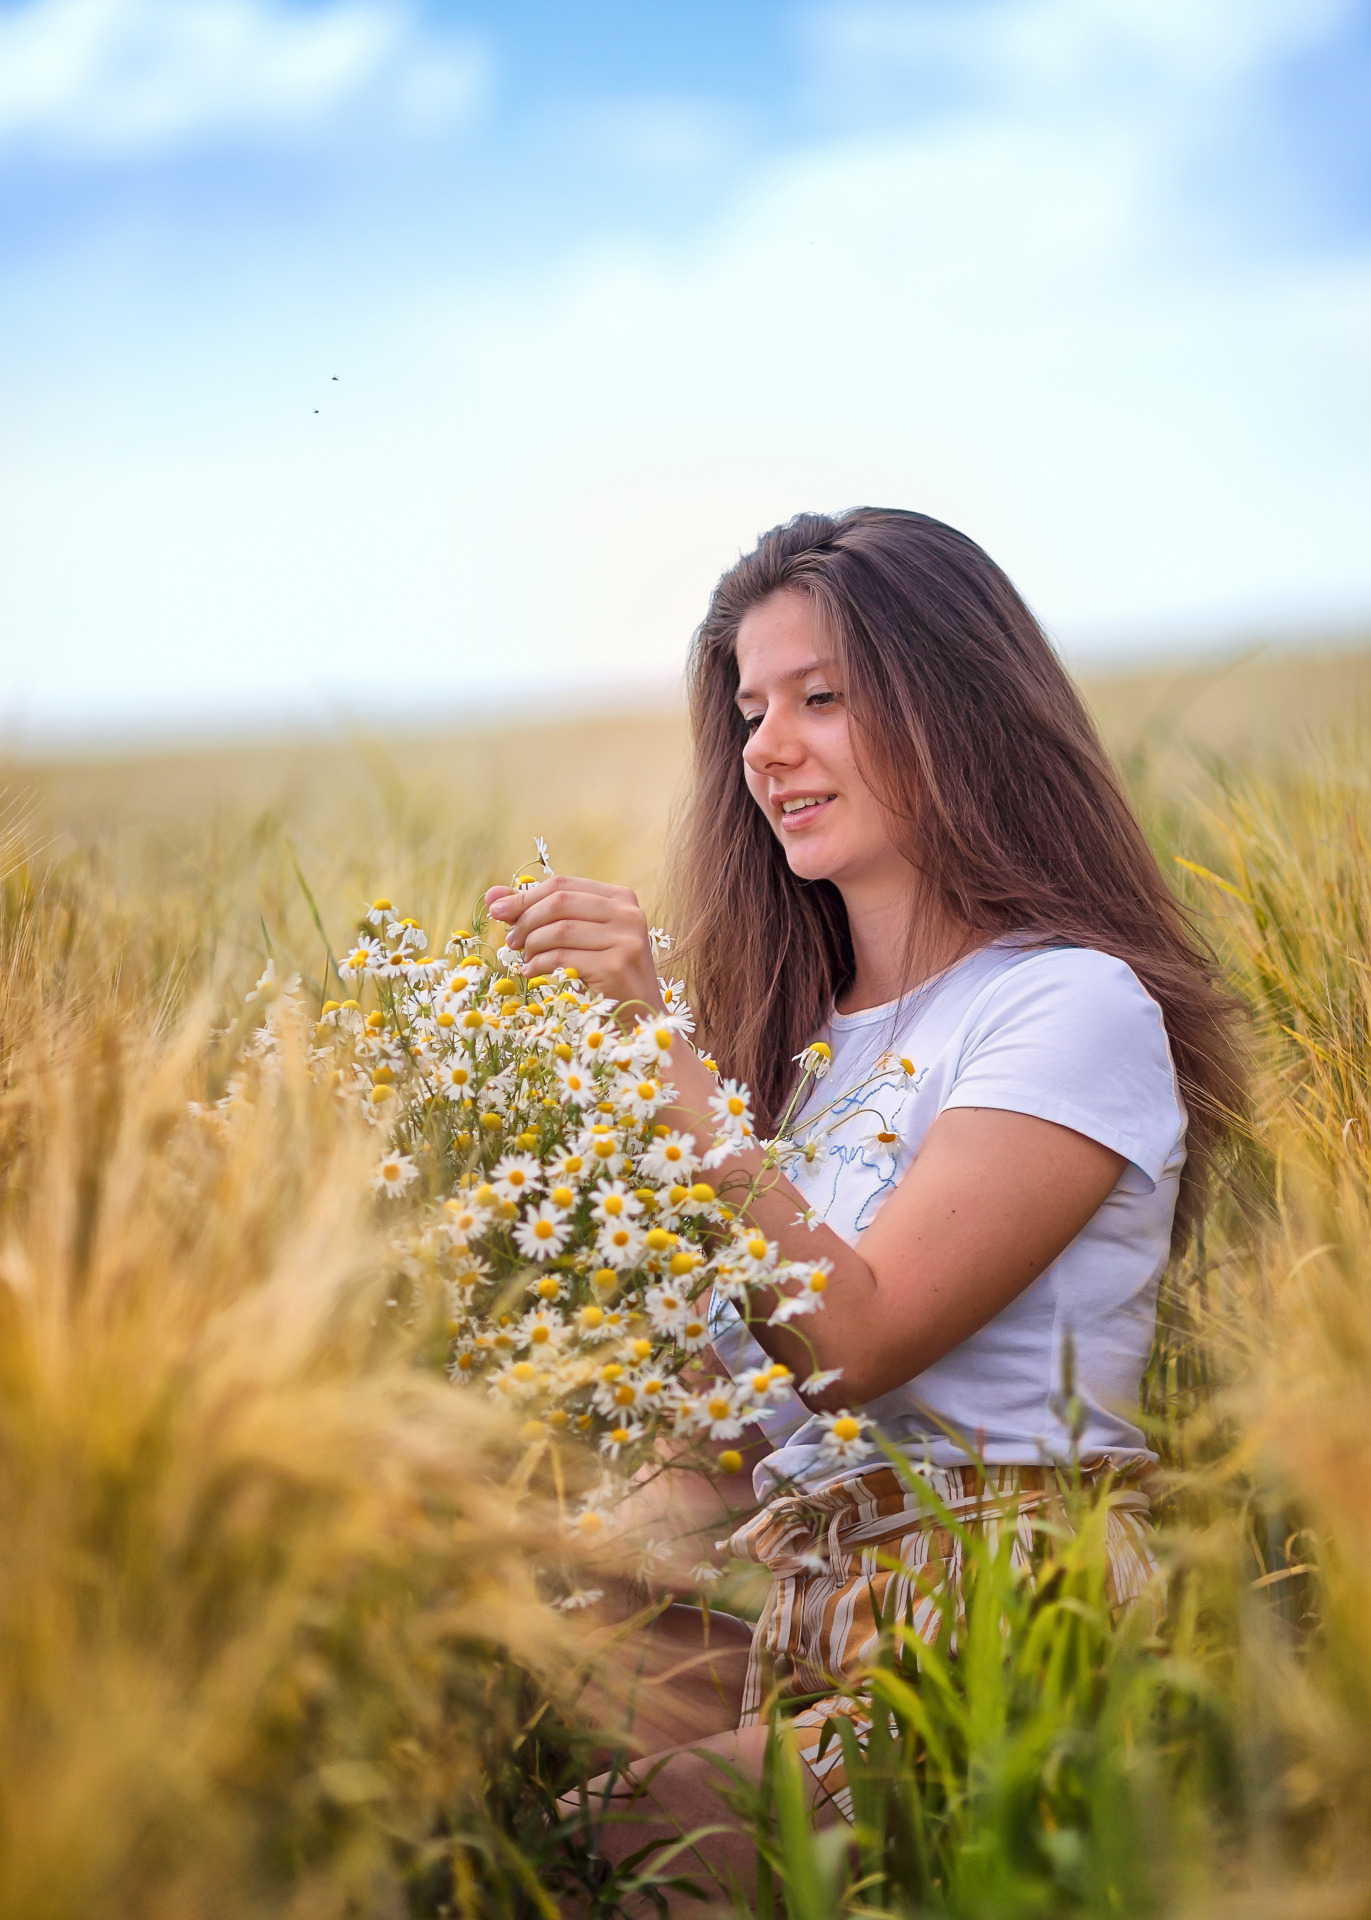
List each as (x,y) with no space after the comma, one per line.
(799,760)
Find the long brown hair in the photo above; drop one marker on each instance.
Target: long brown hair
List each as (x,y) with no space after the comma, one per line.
(969,730)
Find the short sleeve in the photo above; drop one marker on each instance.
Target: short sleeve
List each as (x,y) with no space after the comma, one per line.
(1072,1036)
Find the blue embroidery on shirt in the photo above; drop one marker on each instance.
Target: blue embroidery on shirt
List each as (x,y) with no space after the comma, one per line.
(845,1159)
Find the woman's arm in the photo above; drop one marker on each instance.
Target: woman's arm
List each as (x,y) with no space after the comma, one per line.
(989,1202)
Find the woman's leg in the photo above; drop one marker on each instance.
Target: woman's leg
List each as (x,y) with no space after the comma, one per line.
(673,1804)
(669,1684)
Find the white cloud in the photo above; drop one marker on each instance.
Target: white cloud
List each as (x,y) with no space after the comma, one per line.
(1039,51)
(108,77)
(537,478)
(664,133)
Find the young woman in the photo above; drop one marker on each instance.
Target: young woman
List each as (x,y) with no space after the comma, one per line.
(907,840)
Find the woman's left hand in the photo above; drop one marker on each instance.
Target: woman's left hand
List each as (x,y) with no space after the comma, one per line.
(599,930)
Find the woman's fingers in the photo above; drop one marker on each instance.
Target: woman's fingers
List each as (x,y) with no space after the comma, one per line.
(564,901)
(598,929)
(527,896)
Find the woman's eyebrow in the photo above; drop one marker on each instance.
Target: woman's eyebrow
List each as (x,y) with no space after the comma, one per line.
(795,673)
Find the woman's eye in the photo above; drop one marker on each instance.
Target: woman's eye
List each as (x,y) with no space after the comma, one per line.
(821,700)
(751,722)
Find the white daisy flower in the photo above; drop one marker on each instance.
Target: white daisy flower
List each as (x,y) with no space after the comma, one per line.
(808,1297)
(654,1040)
(668,1309)
(731,1106)
(616,1393)
(716,1413)
(461,1220)
(755,1252)
(543,1331)
(597,1043)
(813,1152)
(379,912)
(614,1442)
(409,934)
(816,1059)
(601,1147)
(542,1234)
(453,1079)
(880,1140)
(642,1098)
(583,1597)
(365,956)
(575,1083)
(671,1159)
(269,986)
(674,1000)
(844,1437)
(394,1173)
(620,1243)
(769,1385)
(613,1202)
(516,1175)
(693,1333)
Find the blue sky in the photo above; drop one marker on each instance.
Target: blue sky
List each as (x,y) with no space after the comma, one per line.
(607,288)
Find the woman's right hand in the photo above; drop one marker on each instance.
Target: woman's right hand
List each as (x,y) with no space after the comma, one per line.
(598,929)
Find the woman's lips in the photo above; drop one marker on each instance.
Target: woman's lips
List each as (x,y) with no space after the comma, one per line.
(797,822)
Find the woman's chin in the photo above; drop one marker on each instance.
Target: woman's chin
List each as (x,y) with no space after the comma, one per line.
(811,860)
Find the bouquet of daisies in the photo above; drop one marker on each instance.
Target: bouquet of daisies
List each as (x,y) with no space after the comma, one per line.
(578,1239)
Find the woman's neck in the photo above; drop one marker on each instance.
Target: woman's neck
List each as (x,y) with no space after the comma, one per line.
(902,935)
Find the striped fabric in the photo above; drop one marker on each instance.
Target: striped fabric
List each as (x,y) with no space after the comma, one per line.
(838,1555)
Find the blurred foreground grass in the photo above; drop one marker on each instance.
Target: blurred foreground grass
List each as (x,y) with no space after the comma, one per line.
(270,1633)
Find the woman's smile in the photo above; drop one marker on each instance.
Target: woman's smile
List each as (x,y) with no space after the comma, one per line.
(800,811)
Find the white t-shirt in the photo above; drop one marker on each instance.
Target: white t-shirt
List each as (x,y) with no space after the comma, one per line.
(1066,1034)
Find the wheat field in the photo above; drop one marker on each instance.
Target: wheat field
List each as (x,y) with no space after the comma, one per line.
(273,1631)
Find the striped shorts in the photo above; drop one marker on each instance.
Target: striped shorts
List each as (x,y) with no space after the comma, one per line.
(839,1557)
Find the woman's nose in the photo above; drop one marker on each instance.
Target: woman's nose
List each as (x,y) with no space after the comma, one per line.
(772,744)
